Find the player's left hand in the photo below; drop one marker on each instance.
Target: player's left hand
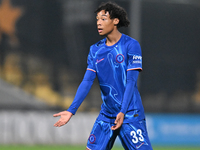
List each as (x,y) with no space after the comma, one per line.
(118,121)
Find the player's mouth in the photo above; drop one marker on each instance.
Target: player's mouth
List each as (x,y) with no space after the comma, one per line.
(100,30)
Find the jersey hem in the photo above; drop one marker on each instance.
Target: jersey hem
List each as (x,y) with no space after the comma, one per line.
(91,70)
(134,69)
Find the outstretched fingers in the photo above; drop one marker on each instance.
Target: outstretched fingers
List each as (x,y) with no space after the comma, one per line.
(56,115)
(59,123)
(64,118)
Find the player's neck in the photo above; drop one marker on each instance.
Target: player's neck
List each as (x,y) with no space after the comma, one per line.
(113,38)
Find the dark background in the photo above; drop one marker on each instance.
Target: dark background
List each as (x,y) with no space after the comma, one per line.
(54,37)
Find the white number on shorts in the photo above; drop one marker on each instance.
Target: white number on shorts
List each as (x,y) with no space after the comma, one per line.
(137,136)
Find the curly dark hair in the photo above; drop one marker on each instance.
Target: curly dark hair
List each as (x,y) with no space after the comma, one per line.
(115,11)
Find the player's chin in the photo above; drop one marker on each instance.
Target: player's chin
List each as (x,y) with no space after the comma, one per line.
(101,33)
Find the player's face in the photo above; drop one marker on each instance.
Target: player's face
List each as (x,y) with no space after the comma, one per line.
(105,25)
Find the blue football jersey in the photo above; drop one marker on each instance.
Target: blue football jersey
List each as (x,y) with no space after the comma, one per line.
(111,64)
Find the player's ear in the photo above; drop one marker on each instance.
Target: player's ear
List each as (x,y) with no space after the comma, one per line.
(116,21)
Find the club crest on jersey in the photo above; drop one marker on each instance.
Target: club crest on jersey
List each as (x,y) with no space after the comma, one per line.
(92,138)
(120,58)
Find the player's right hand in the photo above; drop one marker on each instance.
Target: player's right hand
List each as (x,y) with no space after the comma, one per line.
(65,116)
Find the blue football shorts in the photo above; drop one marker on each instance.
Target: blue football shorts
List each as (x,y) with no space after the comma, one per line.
(133,136)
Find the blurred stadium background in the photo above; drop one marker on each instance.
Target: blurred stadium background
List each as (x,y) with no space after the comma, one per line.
(43,57)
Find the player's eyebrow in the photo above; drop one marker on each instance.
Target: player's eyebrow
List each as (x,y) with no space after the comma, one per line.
(102,15)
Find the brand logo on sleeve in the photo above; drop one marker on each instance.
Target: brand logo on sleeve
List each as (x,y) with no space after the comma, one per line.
(120,58)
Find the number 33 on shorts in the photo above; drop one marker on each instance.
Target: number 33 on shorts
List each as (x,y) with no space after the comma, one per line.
(137,136)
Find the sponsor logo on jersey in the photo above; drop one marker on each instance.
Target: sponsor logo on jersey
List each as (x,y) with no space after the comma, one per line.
(137,59)
(92,138)
(120,58)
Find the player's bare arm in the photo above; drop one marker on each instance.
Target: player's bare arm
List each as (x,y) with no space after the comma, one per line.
(65,116)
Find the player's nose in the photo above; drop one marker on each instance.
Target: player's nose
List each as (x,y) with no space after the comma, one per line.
(98,22)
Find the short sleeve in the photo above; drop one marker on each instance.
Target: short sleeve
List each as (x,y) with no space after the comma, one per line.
(90,61)
(134,56)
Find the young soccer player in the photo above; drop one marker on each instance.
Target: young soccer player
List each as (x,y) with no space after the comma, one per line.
(116,60)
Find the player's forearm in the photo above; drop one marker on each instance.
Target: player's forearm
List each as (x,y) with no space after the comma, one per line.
(132,77)
(127,96)
(82,91)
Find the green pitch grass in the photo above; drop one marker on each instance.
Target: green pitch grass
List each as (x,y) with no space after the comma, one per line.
(67,147)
